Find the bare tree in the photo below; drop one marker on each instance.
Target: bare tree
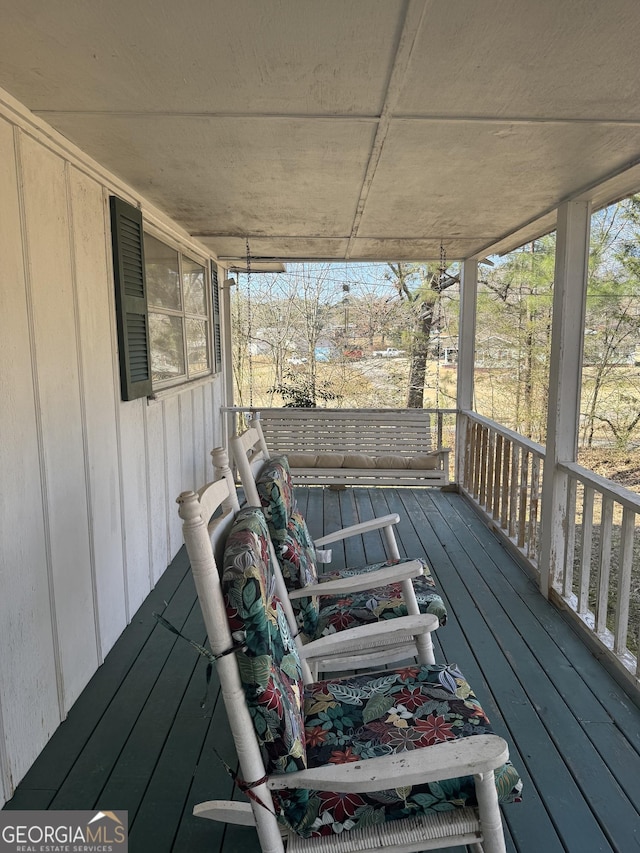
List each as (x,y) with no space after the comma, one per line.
(421,287)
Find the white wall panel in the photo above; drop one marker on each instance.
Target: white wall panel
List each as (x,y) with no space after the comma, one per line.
(158,537)
(133,473)
(88,519)
(58,394)
(209,433)
(171,410)
(28,692)
(198,436)
(187,465)
(94,295)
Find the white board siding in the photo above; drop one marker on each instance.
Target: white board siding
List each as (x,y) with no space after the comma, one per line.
(99,393)
(173,469)
(187,473)
(56,354)
(133,473)
(198,436)
(158,539)
(209,441)
(28,691)
(88,520)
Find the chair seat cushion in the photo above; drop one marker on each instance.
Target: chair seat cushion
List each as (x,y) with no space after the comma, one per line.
(371,605)
(351,719)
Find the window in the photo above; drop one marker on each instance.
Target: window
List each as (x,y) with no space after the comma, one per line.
(179,313)
(170,333)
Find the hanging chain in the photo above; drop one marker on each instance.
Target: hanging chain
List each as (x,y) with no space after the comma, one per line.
(249,324)
(443,273)
(443,264)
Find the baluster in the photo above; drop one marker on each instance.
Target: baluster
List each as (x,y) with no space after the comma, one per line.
(533,508)
(585,549)
(570,541)
(604,561)
(483,467)
(506,473)
(513,490)
(477,461)
(491,449)
(497,476)
(522,515)
(627,533)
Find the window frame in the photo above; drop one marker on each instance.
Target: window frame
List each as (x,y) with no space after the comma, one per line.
(124,285)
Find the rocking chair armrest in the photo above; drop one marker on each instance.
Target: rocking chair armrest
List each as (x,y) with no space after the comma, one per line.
(358,529)
(465,756)
(344,641)
(367,580)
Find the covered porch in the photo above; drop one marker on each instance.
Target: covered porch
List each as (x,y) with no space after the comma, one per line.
(138,738)
(248,135)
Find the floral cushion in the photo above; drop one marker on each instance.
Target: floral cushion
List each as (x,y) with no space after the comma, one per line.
(276,495)
(371,605)
(296,554)
(270,666)
(291,539)
(350,719)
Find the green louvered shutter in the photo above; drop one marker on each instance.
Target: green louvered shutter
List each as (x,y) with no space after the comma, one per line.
(131,300)
(217,340)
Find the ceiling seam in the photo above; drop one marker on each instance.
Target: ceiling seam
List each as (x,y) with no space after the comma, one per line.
(416,13)
(347,117)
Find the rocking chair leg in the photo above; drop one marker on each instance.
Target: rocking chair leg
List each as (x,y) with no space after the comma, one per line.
(490,818)
(424,642)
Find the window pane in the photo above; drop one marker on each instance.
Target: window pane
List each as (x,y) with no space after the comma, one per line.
(167,347)
(194,293)
(163,279)
(197,349)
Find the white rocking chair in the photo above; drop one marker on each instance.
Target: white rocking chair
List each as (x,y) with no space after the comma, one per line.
(352,644)
(266,482)
(262,688)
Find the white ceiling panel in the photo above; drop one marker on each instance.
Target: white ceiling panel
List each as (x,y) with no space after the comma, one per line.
(342,128)
(236,176)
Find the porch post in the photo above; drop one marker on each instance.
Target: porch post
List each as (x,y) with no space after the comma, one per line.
(565,380)
(466,358)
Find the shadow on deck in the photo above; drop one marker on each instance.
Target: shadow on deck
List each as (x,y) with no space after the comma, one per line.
(138,738)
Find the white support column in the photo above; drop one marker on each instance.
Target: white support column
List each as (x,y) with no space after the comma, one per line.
(226,295)
(565,380)
(466,356)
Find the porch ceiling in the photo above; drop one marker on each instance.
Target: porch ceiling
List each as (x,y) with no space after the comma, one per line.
(360,129)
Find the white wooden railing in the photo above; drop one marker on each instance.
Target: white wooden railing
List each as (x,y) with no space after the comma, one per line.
(598,573)
(501,472)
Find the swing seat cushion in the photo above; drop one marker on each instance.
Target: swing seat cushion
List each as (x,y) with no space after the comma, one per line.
(363,461)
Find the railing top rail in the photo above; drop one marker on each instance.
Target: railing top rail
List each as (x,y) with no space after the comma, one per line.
(322,409)
(515,437)
(619,494)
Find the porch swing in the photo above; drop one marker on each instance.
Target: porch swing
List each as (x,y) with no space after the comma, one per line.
(343,447)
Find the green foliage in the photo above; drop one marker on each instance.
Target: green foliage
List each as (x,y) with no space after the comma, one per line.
(300,391)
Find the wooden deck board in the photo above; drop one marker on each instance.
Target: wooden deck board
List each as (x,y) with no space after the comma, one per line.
(139,739)
(589,777)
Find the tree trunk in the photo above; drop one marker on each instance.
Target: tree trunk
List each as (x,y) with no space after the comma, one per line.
(419,355)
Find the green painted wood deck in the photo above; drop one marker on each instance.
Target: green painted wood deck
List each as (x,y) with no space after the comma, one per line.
(138,738)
